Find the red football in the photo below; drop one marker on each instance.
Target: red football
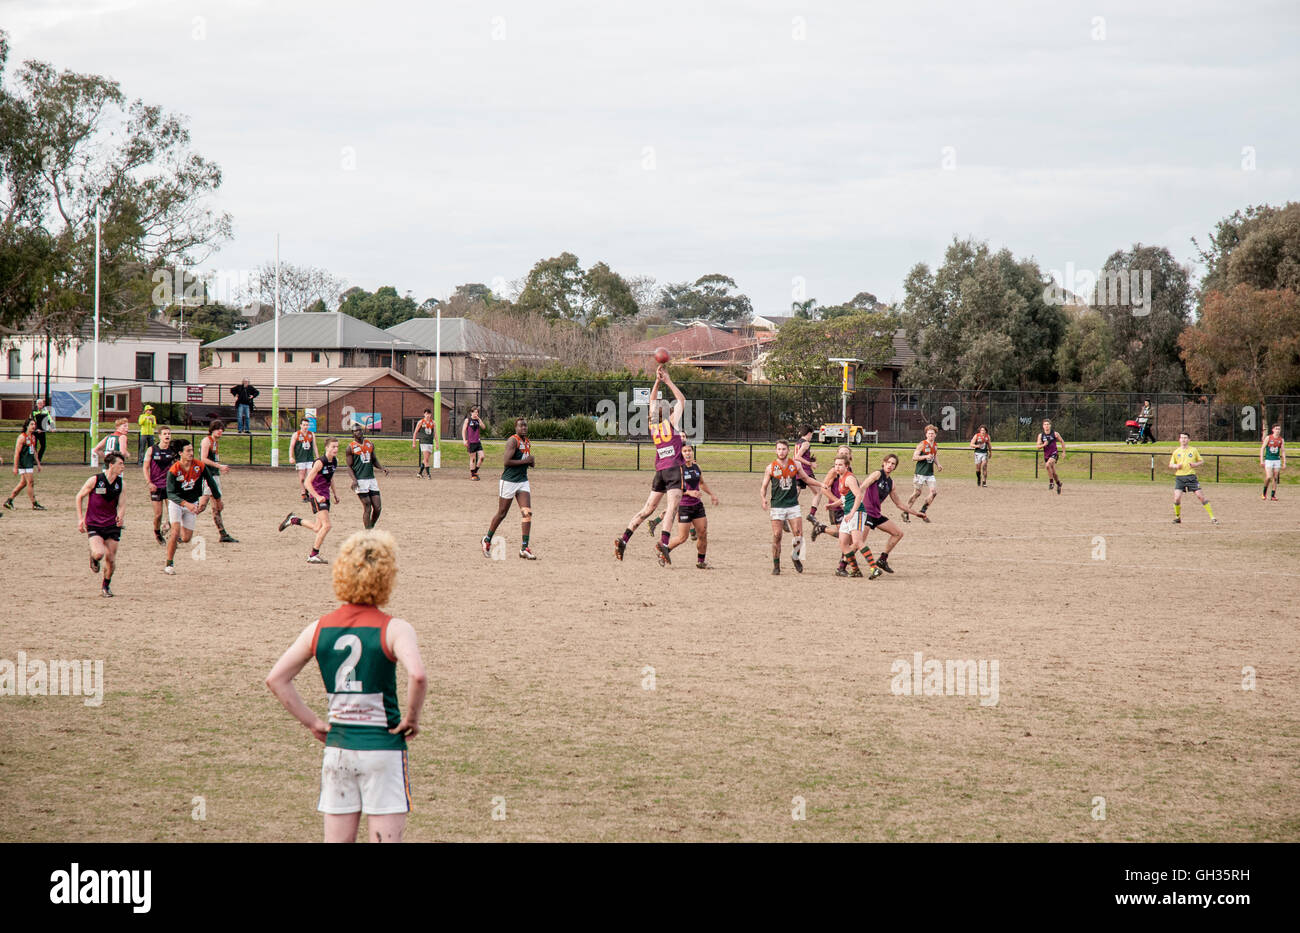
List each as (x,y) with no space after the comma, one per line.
(662,356)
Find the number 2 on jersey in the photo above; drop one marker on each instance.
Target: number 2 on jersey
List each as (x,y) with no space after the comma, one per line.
(344,678)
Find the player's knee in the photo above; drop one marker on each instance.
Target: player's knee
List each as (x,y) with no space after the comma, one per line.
(525,512)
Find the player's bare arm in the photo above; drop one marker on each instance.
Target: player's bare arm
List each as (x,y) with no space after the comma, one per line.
(675,419)
(705,487)
(82,493)
(280,683)
(402,642)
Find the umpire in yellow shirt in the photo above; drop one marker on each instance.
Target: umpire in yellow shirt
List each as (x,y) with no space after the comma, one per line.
(148,426)
(1184,461)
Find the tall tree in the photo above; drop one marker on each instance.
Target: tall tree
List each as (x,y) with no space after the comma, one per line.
(1259,247)
(802,348)
(383,308)
(710,297)
(302,288)
(977,292)
(1087,359)
(1145,296)
(69,142)
(1246,346)
(559,289)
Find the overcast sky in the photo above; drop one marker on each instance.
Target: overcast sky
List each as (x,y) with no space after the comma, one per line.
(423,145)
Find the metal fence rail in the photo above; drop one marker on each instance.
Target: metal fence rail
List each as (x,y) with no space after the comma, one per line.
(73,447)
(737,412)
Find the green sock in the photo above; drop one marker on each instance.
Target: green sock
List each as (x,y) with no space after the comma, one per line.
(525,540)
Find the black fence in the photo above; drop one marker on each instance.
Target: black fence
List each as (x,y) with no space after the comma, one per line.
(728,411)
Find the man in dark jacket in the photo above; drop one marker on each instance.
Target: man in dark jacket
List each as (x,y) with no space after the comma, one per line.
(244,395)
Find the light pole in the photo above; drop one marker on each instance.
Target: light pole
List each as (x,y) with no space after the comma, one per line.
(846,362)
(437,390)
(275,367)
(94,385)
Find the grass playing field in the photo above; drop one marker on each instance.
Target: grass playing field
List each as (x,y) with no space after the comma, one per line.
(1122,643)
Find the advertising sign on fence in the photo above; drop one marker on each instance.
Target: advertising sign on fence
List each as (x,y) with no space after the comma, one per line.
(194,393)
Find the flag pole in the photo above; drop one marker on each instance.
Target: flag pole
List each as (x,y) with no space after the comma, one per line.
(94,385)
(437,391)
(275,366)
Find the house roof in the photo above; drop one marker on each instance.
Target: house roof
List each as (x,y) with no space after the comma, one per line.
(302,383)
(153,329)
(776,320)
(323,330)
(696,340)
(904,355)
(461,335)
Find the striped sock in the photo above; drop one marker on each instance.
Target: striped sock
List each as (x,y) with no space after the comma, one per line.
(871,561)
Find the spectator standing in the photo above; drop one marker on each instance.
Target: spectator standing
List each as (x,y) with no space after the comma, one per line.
(244,395)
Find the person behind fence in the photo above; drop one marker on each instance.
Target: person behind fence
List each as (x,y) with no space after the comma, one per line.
(148,428)
(1146,418)
(244,395)
(44,417)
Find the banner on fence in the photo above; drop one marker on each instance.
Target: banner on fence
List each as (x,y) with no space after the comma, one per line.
(70,404)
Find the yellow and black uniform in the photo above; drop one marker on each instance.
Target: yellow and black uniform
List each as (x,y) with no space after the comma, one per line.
(1183,459)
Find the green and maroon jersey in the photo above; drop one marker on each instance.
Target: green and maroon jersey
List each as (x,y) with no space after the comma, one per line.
(360,674)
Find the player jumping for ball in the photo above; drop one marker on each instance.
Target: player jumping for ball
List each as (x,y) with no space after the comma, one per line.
(514,487)
(101,520)
(982,444)
(666,432)
(363,461)
(1272,457)
(358,648)
(926,457)
(212,470)
(1052,445)
(27,463)
(779,497)
(1184,461)
(320,483)
(158,459)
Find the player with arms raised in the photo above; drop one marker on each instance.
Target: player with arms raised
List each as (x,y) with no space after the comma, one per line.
(666,433)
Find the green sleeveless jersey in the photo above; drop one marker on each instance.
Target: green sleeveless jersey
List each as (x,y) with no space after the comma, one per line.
(426,431)
(27,452)
(784,488)
(362,454)
(926,467)
(360,677)
(518,474)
